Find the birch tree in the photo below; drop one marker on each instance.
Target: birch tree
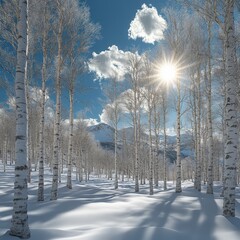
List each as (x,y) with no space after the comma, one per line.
(135,64)
(231,144)
(44,19)
(7,131)
(113,110)
(156,122)
(82,32)
(59,64)
(149,95)
(19,226)
(198,130)
(222,12)
(178,129)
(209,113)
(42,40)
(177,38)
(197,48)
(9,12)
(164,113)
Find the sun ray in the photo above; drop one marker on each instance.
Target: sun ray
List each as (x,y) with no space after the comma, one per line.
(167,72)
(169,69)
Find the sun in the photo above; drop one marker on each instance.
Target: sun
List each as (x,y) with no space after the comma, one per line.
(167,72)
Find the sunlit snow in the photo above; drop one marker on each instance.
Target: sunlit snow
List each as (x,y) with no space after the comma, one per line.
(93,210)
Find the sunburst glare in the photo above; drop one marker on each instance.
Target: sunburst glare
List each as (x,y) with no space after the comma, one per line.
(168,72)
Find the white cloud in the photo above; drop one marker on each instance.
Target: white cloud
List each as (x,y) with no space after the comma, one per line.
(111,63)
(35,95)
(125,104)
(126,98)
(90,121)
(107,114)
(147,25)
(86,121)
(122,99)
(104,117)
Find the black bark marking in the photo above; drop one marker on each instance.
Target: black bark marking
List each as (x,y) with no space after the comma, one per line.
(19,138)
(21,168)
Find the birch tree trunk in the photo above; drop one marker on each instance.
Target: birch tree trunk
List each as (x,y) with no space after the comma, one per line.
(150,146)
(70,140)
(194,113)
(231,143)
(42,114)
(115,153)
(4,153)
(178,164)
(56,140)
(86,166)
(28,109)
(79,172)
(115,122)
(19,224)
(136,163)
(223,116)
(199,167)
(165,141)
(209,115)
(135,126)
(156,132)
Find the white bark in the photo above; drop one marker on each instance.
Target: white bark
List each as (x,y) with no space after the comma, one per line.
(150,146)
(19,225)
(70,140)
(4,153)
(79,169)
(116,120)
(165,141)
(81,33)
(42,113)
(194,115)
(136,156)
(178,163)
(56,140)
(86,166)
(231,143)
(156,132)
(26,79)
(209,106)
(199,167)
(115,155)
(134,70)
(29,145)
(116,112)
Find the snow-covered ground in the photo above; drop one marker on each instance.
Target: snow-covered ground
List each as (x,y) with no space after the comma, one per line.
(94,211)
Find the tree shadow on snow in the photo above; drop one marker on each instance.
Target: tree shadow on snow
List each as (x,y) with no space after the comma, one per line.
(235,221)
(184,216)
(47,210)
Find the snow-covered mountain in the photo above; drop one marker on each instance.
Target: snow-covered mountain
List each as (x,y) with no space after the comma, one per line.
(104,134)
(186,139)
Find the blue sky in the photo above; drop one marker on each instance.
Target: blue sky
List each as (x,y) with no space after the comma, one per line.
(115,17)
